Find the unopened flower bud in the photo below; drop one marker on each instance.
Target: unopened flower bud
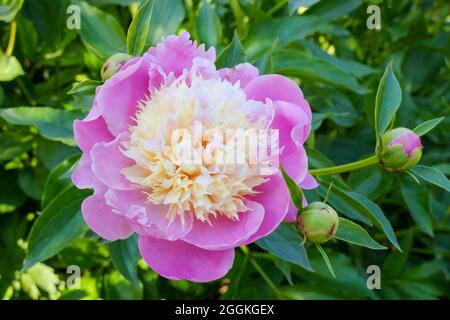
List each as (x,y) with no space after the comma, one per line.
(402,149)
(114,64)
(318,222)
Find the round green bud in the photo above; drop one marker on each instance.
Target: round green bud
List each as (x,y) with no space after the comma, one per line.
(114,64)
(402,149)
(318,222)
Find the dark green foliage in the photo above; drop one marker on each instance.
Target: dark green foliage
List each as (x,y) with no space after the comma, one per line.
(390,220)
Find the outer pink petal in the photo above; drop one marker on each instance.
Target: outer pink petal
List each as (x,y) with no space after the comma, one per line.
(102,220)
(95,111)
(147,218)
(274,197)
(176,53)
(108,161)
(179,260)
(292,118)
(88,133)
(274,87)
(224,233)
(119,97)
(244,73)
(83,177)
(289,117)
(309,182)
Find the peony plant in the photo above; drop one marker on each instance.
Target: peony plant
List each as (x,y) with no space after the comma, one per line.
(161,115)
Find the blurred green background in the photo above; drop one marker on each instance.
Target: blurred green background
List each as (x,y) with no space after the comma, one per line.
(324,45)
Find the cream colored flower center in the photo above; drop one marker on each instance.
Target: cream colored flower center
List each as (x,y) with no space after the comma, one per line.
(182,142)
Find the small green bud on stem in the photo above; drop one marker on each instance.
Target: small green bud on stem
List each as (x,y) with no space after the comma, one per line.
(114,64)
(318,222)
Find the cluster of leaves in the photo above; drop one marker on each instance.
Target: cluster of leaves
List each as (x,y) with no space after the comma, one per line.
(390,220)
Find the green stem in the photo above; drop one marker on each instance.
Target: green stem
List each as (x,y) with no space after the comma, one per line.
(346,167)
(239,15)
(260,270)
(12,39)
(265,277)
(277,7)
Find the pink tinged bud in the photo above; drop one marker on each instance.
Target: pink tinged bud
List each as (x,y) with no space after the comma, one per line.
(318,222)
(402,149)
(114,64)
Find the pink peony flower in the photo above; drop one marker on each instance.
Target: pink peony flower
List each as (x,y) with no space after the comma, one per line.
(189,216)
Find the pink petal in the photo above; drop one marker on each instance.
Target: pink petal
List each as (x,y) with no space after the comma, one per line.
(88,133)
(178,260)
(289,117)
(119,97)
(147,218)
(83,177)
(95,111)
(274,87)
(108,161)
(224,233)
(103,221)
(176,53)
(292,213)
(309,182)
(244,73)
(274,197)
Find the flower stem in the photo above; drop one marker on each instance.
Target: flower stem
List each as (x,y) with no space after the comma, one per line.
(12,39)
(265,277)
(346,167)
(277,7)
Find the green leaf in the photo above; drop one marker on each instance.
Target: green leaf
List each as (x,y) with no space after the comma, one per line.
(208,28)
(416,200)
(166,19)
(295,63)
(331,10)
(284,267)
(100,31)
(125,255)
(52,153)
(294,189)
(284,243)
(427,126)
(2,96)
(395,262)
(14,143)
(32,181)
(282,30)
(387,101)
(368,209)
(139,29)
(53,124)
(433,176)
(11,196)
(295,4)
(262,35)
(10,68)
(85,87)
(232,55)
(117,288)
(9,10)
(373,182)
(56,182)
(59,224)
(351,232)
(326,259)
